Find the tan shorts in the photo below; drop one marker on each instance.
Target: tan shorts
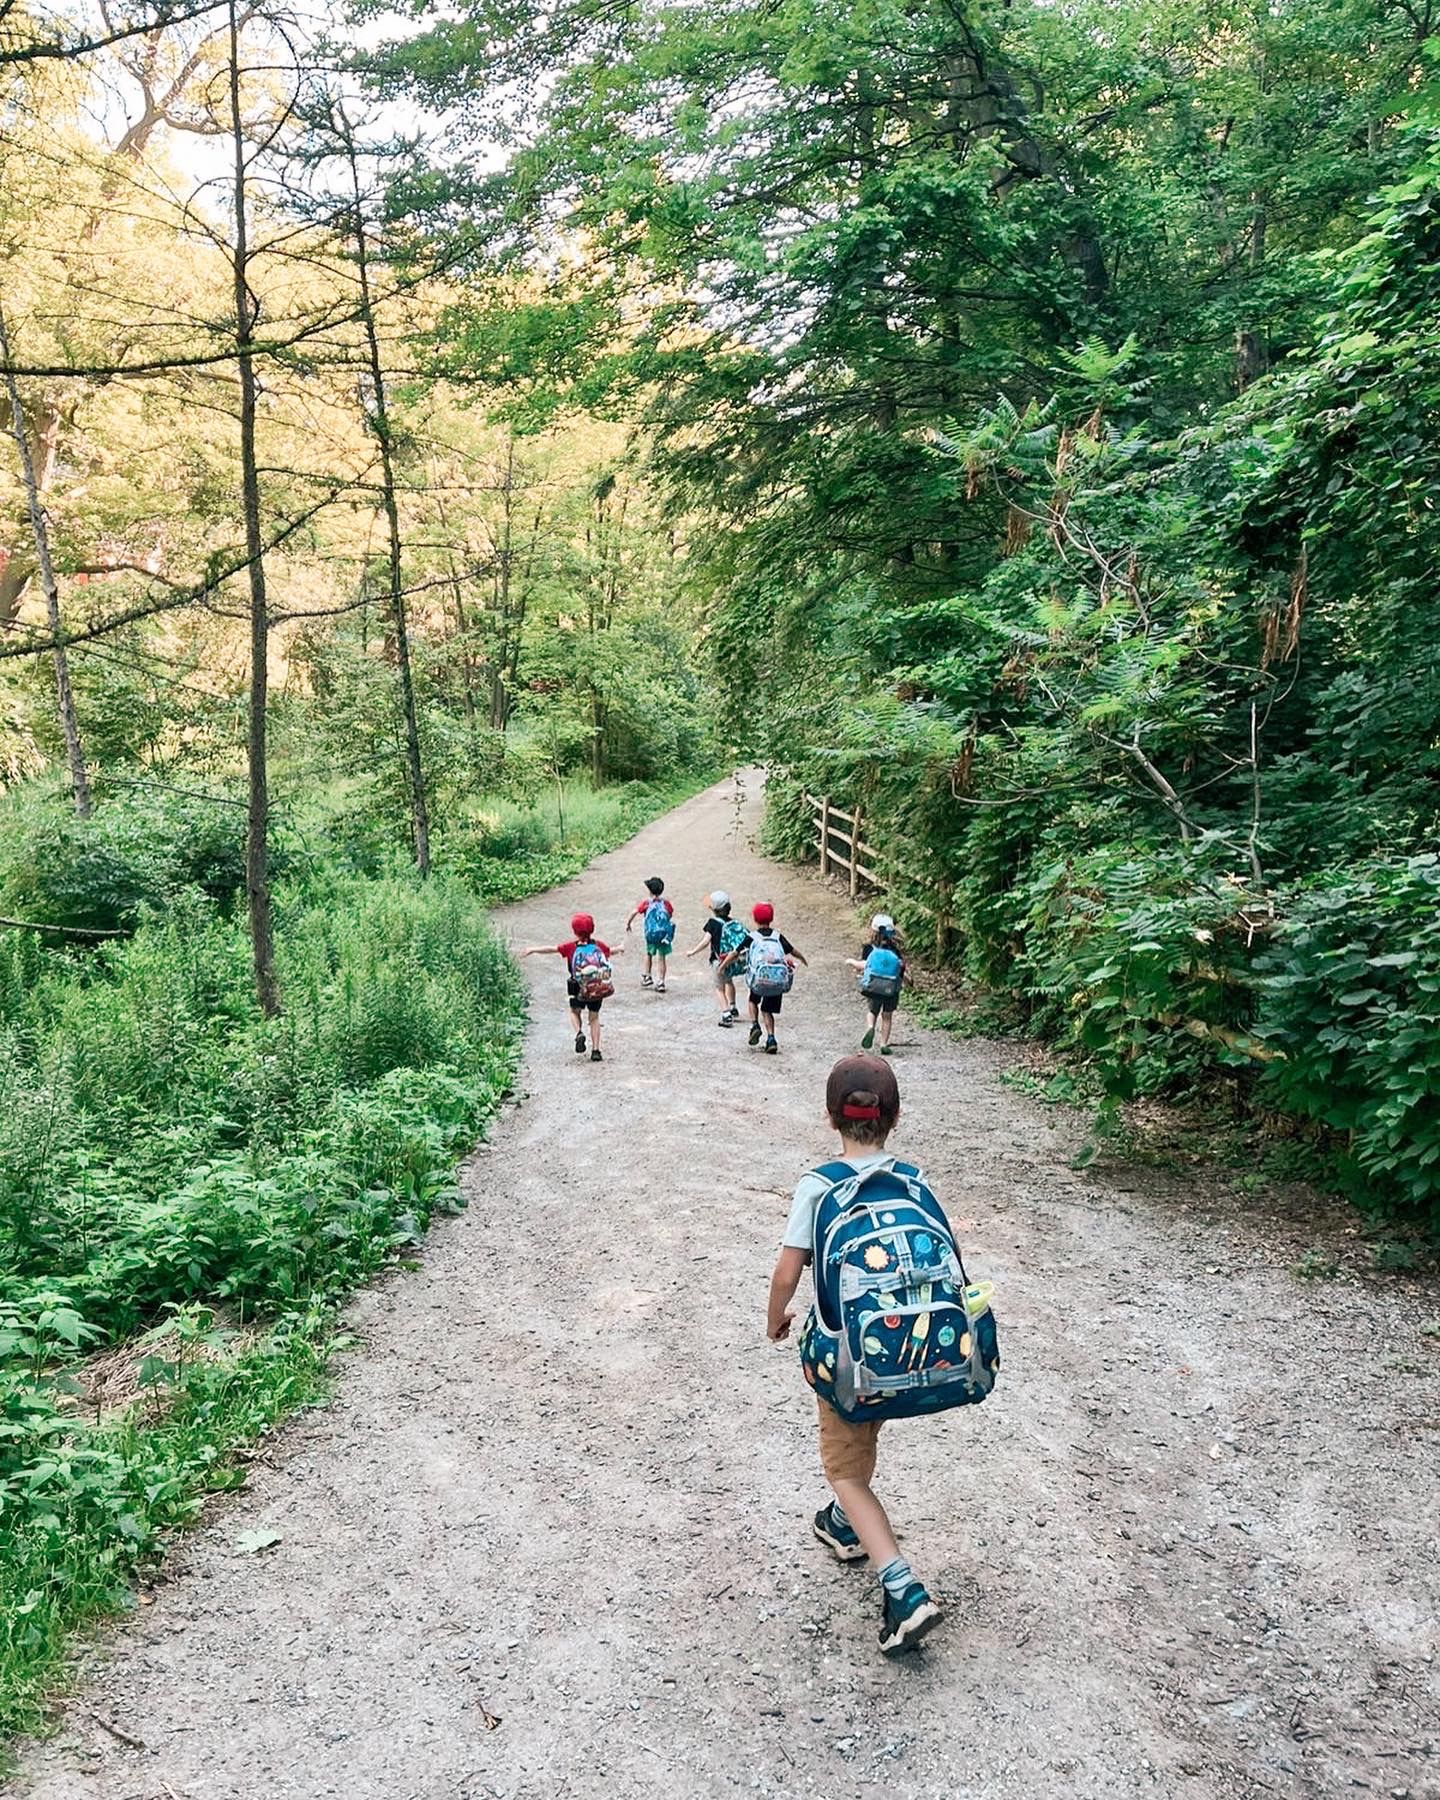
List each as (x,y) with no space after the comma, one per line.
(847,1451)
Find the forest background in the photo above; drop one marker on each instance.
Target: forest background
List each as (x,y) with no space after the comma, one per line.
(425,460)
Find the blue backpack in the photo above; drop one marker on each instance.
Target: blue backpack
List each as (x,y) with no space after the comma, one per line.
(659,923)
(767,970)
(732,935)
(896,1328)
(883,974)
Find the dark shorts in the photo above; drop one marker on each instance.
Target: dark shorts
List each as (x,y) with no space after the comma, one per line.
(769,1004)
(874,1005)
(572,988)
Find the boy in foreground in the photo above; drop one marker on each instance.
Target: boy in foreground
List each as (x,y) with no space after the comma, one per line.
(862,1102)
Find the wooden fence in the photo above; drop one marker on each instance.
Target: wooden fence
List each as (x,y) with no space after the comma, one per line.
(835,825)
(841,844)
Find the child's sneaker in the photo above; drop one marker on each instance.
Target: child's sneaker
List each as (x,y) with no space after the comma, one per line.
(867,1042)
(647,981)
(754,1036)
(906,1620)
(734,1013)
(579,1043)
(837,1535)
(771,1047)
(885,1050)
(725,1021)
(595,1056)
(659,987)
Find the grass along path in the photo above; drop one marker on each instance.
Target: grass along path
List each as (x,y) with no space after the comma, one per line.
(565,1483)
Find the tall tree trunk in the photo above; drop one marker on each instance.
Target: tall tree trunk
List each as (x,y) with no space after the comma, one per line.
(1251,353)
(45,568)
(257,835)
(380,420)
(504,578)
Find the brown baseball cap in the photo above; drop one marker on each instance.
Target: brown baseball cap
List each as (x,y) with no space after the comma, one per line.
(863,1075)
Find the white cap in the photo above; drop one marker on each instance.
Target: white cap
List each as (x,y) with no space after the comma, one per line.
(882,922)
(718,899)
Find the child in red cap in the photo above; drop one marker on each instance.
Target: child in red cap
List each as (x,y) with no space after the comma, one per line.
(769,968)
(588,979)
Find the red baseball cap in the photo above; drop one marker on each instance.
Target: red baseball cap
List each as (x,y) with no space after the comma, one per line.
(582,924)
(763,912)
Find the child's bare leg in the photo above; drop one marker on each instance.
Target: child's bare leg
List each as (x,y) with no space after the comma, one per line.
(595,1030)
(868,1516)
(575,1024)
(661,961)
(887,1023)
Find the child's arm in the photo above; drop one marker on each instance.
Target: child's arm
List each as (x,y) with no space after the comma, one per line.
(633,917)
(800,959)
(789,1267)
(704,941)
(851,962)
(538,950)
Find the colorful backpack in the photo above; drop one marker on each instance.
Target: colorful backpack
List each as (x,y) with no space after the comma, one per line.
(767,970)
(659,923)
(896,1328)
(883,974)
(732,936)
(591,972)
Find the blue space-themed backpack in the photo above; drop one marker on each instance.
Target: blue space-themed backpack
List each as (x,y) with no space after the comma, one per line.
(896,1328)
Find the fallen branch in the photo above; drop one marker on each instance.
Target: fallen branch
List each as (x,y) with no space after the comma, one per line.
(85,931)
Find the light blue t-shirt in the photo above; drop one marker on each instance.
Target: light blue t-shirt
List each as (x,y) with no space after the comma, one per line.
(811,1189)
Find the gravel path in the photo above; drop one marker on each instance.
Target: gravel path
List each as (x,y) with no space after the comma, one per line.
(1188,1549)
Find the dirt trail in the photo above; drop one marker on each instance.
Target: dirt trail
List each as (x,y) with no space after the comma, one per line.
(1188,1549)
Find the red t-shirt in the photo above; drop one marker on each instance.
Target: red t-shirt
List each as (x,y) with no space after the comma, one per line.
(568,949)
(650,900)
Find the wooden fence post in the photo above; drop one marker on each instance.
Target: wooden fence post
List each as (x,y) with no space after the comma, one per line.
(855,851)
(825,834)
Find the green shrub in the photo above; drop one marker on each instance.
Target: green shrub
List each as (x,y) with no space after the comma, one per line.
(136,855)
(1352,999)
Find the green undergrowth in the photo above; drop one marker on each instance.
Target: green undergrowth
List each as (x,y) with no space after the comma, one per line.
(507,851)
(197,1189)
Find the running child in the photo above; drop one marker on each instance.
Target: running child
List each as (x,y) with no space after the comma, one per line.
(886,1245)
(770,960)
(659,917)
(882,975)
(724,935)
(589,981)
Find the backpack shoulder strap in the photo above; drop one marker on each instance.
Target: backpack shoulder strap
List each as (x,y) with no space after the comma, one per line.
(833,1171)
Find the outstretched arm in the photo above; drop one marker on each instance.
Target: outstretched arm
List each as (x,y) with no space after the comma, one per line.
(704,941)
(538,950)
(789,1267)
